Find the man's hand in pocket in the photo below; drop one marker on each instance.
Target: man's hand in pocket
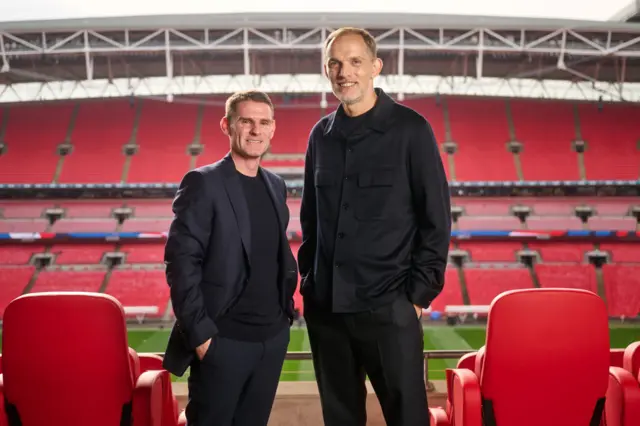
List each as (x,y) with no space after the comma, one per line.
(418,310)
(201,350)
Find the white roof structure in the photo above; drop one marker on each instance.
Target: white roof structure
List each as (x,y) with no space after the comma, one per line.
(424,54)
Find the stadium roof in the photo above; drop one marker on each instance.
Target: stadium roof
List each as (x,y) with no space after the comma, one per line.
(30,10)
(305,20)
(630,13)
(494,51)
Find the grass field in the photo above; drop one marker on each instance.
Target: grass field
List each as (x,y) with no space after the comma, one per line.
(438,337)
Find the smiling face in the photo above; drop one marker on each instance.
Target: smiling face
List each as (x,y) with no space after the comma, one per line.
(351,65)
(249,128)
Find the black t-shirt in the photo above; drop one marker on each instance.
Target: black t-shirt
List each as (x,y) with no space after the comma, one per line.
(257,315)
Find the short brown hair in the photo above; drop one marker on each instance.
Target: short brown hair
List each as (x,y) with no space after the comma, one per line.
(231,105)
(369,40)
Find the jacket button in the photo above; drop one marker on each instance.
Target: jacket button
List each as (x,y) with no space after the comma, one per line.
(341,235)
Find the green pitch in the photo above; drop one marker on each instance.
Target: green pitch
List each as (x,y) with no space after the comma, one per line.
(437,337)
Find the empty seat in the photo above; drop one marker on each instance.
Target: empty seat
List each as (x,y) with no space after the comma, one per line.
(491,251)
(622,284)
(521,382)
(451,293)
(567,276)
(80,254)
(79,280)
(102,385)
(15,254)
(146,288)
(13,281)
(484,284)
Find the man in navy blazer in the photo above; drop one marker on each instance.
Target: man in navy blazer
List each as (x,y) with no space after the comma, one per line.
(232,275)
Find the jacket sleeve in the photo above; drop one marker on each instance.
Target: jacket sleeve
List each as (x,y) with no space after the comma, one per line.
(432,206)
(186,246)
(308,218)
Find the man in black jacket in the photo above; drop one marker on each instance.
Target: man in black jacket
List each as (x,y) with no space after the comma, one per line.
(376,227)
(232,275)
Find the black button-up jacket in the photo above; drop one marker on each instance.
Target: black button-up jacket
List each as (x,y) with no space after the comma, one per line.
(375,213)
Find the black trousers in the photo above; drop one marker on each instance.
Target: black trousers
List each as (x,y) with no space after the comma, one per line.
(235,383)
(387,345)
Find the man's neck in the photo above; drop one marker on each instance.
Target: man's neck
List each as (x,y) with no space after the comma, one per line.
(246,166)
(359,108)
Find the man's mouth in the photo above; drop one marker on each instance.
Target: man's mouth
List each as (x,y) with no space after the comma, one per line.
(252,141)
(347,84)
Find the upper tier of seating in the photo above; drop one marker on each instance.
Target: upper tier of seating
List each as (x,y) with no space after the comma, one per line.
(121,141)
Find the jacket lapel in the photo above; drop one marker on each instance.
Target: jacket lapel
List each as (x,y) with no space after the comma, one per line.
(233,186)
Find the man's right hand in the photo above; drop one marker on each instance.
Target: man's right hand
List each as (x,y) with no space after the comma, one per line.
(201,350)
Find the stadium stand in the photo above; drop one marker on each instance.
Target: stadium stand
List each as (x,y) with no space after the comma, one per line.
(131,143)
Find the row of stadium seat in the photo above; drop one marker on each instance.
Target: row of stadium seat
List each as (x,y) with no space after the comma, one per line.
(137,285)
(573,379)
(69,142)
(475,252)
(467,223)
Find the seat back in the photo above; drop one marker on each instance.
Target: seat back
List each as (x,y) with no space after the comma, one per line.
(546,358)
(631,359)
(616,357)
(66,360)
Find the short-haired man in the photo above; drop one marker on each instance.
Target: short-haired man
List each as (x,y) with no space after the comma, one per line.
(376,227)
(232,275)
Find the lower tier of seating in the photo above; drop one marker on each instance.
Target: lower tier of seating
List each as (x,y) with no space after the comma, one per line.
(134,273)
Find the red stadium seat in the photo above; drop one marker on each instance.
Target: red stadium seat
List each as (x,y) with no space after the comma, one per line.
(534,373)
(631,359)
(151,362)
(622,406)
(66,361)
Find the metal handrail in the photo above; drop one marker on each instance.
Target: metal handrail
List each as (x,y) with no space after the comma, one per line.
(430,354)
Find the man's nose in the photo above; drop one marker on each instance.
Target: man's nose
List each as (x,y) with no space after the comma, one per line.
(344,71)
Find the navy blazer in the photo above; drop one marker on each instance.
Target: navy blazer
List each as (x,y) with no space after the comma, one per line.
(207,254)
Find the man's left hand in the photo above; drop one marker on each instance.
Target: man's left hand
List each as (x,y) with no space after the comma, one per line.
(418,310)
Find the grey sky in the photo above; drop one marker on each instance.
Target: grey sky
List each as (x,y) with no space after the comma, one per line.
(597,10)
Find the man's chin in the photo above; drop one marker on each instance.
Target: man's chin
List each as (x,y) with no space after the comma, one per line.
(348,100)
(250,155)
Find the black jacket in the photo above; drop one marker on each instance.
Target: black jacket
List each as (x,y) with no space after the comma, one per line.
(207,254)
(375,213)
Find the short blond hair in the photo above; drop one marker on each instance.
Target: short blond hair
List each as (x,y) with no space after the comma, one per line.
(369,40)
(231,105)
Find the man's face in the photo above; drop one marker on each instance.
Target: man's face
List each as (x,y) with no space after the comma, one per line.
(250,130)
(351,68)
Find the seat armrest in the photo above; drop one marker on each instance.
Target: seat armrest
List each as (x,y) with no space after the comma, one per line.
(622,406)
(438,417)
(148,398)
(3,414)
(466,398)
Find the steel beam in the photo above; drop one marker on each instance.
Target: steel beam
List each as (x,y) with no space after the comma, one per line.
(481,40)
(317,83)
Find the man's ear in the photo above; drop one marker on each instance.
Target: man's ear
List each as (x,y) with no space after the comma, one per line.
(377,67)
(224,125)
